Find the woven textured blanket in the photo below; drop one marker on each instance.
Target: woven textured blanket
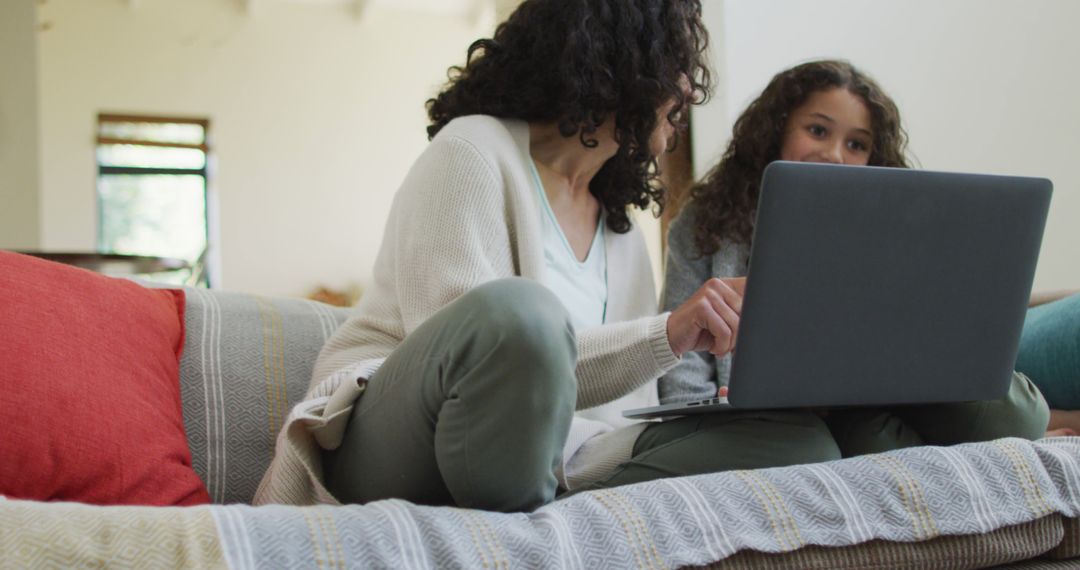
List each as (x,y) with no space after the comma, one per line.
(1014,499)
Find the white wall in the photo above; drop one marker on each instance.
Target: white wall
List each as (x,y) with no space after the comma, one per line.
(983,85)
(19,206)
(315,118)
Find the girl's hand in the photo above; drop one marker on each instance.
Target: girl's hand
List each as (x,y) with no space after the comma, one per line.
(722,392)
(709,319)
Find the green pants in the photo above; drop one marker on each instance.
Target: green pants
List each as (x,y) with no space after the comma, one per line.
(1021,413)
(472,409)
(693,445)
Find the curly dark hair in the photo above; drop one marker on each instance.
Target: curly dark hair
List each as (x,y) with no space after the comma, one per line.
(727,198)
(578,63)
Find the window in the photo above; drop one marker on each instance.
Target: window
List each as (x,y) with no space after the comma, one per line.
(151,185)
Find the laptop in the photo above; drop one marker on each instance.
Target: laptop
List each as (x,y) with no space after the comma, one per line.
(881,286)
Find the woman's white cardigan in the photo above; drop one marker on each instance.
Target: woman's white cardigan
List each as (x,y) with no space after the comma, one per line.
(467,213)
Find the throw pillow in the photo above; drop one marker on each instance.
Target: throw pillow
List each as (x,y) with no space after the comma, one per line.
(89,388)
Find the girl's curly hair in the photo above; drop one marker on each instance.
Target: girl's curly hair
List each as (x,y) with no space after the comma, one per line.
(727,198)
(578,63)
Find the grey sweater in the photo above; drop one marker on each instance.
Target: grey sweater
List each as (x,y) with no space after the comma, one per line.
(699,374)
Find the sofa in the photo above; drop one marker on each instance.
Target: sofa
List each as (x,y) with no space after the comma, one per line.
(246,358)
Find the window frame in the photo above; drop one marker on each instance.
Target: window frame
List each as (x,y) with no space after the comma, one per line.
(200,272)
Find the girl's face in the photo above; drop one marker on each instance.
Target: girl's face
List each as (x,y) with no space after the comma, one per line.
(832,126)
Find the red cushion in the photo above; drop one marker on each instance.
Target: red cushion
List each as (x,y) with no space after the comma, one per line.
(89,388)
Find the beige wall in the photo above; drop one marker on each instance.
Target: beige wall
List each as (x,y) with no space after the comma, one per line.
(19,204)
(983,85)
(315,118)
(503,8)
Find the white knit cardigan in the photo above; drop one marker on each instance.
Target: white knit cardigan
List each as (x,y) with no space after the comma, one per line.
(467,213)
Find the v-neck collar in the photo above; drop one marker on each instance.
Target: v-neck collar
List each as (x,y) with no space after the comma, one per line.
(546,206)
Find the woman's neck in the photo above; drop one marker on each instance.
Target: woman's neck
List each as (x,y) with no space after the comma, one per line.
(566,167)
(565,159)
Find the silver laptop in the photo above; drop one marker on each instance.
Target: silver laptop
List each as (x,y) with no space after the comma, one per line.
(881,286)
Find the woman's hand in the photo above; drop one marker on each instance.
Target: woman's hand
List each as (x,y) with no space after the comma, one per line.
(709,319)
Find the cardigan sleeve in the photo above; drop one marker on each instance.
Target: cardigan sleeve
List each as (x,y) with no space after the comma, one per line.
(685,272)
(615,359)
(451,230)
(446,233)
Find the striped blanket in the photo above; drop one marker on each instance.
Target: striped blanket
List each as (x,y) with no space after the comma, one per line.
(247,359)
(967,506)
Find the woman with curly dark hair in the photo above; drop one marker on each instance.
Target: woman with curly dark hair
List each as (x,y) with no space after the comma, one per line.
(821,111)
(511,288)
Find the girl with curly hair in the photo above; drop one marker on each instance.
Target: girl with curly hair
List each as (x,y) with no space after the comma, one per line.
(511,289)
(821,111)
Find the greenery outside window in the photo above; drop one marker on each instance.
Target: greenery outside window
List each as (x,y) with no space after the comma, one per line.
(151,188)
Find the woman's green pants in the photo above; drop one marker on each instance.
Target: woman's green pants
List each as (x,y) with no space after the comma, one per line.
(751,440)
(474,407)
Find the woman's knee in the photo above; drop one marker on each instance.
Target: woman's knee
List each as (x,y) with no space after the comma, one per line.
(813,441)
(521,320)
(861,431)
(525,317)
(1024,412)
(1021,413)
(517,302)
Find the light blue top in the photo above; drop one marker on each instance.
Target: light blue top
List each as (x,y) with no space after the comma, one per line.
(580,285)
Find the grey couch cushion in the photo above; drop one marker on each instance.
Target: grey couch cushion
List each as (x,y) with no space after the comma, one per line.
(246,361)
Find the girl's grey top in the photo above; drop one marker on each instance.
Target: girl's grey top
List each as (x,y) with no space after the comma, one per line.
(699,374)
